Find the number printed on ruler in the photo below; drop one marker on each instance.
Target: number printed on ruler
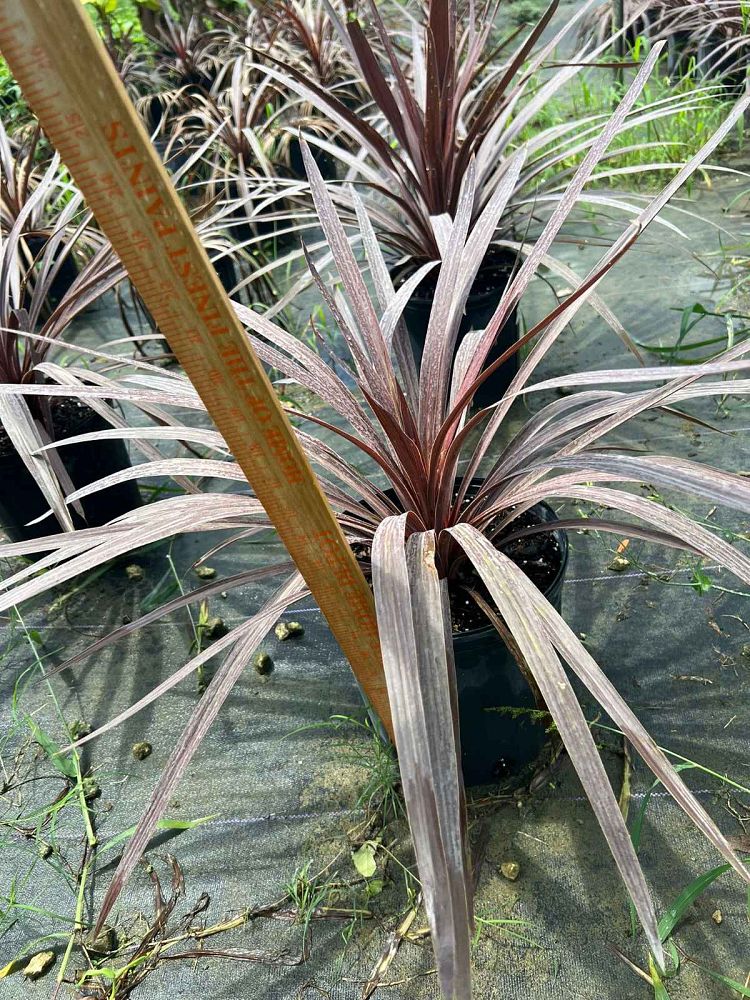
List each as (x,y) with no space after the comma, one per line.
(74,90)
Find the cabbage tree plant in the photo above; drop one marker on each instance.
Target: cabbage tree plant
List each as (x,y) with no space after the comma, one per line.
(44,225)
(421,447)
(34,249)
(441,93)
(708,37)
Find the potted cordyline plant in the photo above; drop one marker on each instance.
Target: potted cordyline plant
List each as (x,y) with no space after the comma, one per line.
(423,538)
(240,124)
(715,32)
(29,189)
(708,37)
(187,51)
(305,33)
(37,308)
(442,94)
(187,54)
(311,32)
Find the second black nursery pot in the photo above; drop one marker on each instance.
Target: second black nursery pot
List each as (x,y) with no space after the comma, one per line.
(500,745)
(502,736)
(22,501)
(491,281)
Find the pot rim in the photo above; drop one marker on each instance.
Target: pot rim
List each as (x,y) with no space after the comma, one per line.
(479,633)
(489,629)
(425,301)
(88,416)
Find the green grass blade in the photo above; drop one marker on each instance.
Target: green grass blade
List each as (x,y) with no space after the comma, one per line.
(660,991)
(743,991)
(63,762)
(163,824)
(686,899)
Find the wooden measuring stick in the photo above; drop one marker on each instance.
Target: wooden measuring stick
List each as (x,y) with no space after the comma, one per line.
(66,75)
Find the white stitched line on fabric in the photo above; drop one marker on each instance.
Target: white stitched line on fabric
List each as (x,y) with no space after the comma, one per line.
(678,434)
(257,820)
(292,817)
(285,817)
(612,577)
(290,613)
(634,575)
(335,814)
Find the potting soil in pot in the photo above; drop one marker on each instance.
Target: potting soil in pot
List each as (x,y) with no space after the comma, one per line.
(21,501)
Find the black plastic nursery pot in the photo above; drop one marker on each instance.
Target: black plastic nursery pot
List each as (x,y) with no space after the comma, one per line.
(680,49)
(67,271)
(243,228)
(491,281)
(498,746)
(174,155)
(227,272)
(502,732)
(21,500)
(715,69)
(325,162)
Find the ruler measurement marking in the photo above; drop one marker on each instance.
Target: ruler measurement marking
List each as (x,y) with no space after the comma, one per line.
(90,122)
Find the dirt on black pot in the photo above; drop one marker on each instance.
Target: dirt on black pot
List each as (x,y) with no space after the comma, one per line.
(21,500)
(491,281)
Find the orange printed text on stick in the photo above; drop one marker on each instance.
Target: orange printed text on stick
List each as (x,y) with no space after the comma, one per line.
(80,102)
